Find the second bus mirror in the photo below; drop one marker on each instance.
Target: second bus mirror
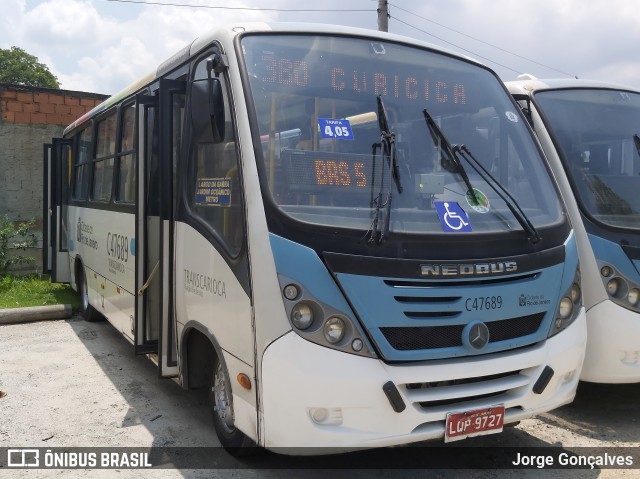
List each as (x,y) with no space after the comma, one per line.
(207,110)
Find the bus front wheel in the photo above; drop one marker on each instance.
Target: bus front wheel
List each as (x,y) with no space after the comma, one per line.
(221,403)
(88,312)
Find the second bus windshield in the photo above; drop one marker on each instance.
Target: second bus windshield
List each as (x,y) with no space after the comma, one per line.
(595,132)
(316,99)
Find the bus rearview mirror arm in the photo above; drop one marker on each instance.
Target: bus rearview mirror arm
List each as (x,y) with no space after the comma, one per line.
(524,107)
(207,105)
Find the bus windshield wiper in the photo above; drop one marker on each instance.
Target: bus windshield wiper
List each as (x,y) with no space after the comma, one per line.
(636,141)
(449,158)
(508,199)
(454,151)
(387,146)
(388,142)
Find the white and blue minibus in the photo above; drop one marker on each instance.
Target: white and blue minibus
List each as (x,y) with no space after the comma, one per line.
(350,237)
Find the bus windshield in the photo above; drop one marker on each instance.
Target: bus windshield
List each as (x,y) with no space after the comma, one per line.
(596,134)
(344,142)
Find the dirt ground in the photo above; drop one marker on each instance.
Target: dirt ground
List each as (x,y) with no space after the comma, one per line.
(77,384)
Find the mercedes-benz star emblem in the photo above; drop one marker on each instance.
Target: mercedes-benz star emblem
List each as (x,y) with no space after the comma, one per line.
(477,335)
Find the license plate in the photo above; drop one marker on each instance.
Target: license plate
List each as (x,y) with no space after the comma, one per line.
(460,425)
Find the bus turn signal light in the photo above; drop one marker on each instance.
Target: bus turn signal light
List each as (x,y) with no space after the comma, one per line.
(244,381)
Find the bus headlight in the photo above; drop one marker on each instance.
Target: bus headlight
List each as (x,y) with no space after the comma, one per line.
(334,329)
(569,306)
(566,308)
(302,316)
(633,296)
(291,292)
(613,286)
(622,290)
(322,323)
(576,294)
(606,271)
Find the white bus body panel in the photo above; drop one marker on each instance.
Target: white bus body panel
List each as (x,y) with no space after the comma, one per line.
(209,296)
(362,413)
(613,347)
(208,293)
(105,242)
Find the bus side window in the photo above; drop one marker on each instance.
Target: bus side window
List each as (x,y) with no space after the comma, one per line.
(217,196)
(81,164)
(126,192)
(105,159)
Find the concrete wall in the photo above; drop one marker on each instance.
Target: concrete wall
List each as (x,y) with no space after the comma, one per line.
(29,118)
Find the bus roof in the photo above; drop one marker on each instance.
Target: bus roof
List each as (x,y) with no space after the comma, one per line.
(528,84)
(227,33)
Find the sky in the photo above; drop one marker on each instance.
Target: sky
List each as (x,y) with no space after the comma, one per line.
(101,46)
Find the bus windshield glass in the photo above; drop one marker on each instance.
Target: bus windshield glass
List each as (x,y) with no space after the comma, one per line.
(596,134)
(344,142)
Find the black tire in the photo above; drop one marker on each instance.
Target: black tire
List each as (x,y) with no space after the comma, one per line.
(88,312)
(232,439)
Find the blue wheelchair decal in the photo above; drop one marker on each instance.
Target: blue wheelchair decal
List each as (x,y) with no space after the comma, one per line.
(452,217)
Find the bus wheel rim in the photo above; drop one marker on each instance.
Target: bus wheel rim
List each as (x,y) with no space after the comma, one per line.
(221,399)
(84,295)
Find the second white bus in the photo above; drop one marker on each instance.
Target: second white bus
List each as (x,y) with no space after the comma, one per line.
(590,131)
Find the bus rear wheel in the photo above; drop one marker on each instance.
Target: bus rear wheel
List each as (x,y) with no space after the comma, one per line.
(88,312)
(221,403)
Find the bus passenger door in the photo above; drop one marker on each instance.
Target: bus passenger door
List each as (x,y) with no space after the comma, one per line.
(55,241)
(171,122)
(147,229)
(159,130)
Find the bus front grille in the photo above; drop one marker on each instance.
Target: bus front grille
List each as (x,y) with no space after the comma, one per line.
(410,338)
(442,396)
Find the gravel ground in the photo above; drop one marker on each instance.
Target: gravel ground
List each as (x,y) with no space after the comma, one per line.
(76,384)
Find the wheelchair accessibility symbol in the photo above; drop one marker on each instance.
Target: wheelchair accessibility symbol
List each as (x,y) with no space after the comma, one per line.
(452,217)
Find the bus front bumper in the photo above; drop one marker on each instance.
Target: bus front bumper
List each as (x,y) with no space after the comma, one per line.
(613,345)
(317,400)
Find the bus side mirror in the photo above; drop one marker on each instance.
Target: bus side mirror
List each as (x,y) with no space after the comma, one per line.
(524,102)
(207,109)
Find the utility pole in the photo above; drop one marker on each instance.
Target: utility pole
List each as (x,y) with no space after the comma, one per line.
(383,16)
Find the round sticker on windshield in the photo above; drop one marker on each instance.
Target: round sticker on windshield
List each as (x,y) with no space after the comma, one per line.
(480,203)
(511,116)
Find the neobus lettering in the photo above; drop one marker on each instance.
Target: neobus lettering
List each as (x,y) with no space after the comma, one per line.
(468,269)
(203,282)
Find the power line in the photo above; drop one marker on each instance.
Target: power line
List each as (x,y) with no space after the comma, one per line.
(454,45)
(171,4)
(324,10)
(477,40)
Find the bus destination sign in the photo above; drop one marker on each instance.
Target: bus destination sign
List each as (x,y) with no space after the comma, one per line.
(213,192)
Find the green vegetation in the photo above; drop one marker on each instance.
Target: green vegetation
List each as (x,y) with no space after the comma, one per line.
(24,291)
(35,290)
(15,236)
(21,68)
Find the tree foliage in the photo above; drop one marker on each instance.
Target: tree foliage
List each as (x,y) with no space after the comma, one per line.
(13,237)
(21,68)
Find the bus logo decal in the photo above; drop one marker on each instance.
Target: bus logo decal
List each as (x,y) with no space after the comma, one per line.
(84,235)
